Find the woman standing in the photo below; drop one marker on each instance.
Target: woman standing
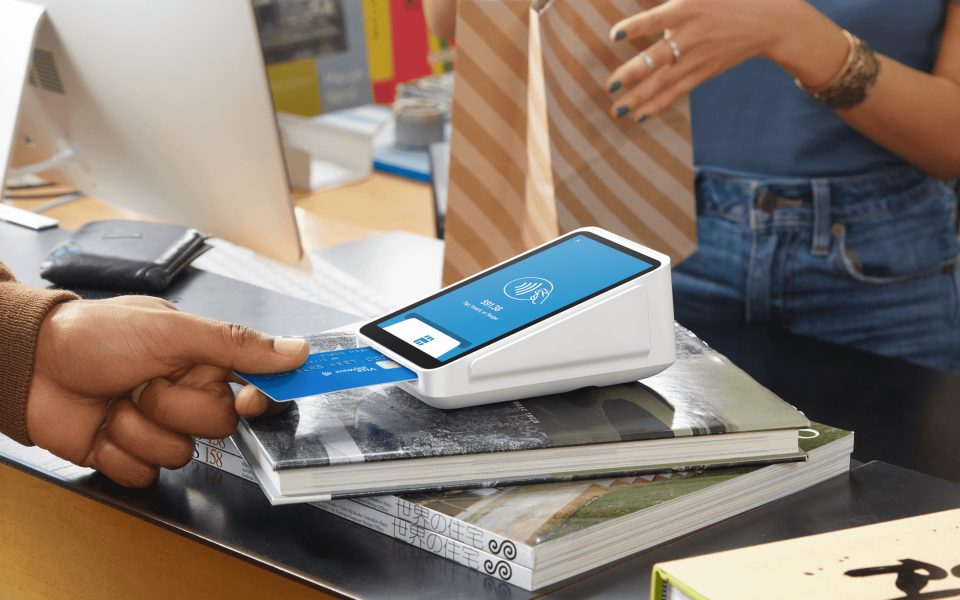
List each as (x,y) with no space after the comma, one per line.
(822,134)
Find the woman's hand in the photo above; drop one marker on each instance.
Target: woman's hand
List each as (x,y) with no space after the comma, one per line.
(715,35)
(120,385)
(441,17)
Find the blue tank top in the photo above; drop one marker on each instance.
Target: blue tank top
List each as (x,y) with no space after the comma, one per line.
(754,119)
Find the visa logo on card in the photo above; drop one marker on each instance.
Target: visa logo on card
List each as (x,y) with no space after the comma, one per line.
(325,372)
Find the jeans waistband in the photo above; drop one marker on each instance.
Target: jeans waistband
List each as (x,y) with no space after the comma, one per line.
(820,202)
(883,177)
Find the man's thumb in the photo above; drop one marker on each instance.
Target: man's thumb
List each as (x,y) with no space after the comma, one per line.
(231,346)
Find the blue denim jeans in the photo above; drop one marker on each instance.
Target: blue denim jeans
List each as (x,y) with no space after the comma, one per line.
(870,261)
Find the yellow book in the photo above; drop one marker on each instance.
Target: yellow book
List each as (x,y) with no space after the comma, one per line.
(294,87)
(916,558)
(376,17)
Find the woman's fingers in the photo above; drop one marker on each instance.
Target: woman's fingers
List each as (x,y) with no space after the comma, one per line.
(635,70)
(650,22)
(119,465)
(140,437)
(635,99)
(649,97)
(207,411)
(665,97)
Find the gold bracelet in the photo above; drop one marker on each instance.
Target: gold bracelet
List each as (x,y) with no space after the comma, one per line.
(851,53)
(855,82)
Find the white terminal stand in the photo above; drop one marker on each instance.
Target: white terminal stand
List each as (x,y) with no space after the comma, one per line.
(622,335)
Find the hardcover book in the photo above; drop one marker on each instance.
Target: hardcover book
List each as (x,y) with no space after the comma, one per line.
(703,412)
(533,536)
(916,558)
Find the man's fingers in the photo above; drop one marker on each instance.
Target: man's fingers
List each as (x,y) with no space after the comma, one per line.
(201,375)
(140,437)
(137,301)
(274,407)
(649,22)
(251,402)
(206,412)
(233,378)
(119,465)
(229,346)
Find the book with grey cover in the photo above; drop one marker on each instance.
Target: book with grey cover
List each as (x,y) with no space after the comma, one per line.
(331,33)
(224,455)
(702,412)
(532,536)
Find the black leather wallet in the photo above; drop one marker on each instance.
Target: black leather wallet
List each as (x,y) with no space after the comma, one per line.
(131,255)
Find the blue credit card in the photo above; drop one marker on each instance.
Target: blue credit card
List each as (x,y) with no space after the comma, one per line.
(325,372)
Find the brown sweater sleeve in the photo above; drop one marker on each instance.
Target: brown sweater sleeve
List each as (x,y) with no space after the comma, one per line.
(22,310)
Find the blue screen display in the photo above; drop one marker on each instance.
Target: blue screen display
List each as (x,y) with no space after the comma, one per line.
(512,297)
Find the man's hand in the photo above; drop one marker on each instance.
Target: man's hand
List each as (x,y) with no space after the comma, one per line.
(120,385)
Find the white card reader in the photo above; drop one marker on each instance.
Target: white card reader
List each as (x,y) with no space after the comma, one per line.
(587,309)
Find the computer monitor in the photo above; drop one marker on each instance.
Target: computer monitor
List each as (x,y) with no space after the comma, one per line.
(159,106)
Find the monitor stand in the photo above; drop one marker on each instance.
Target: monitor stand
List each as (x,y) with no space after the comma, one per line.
(19,24)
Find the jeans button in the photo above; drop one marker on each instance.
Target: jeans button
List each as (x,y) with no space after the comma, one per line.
(837,230)
(767,201)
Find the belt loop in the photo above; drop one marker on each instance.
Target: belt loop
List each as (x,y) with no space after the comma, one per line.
(751,202)
(821,217)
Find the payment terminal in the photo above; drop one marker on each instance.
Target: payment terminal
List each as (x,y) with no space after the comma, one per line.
(587,309)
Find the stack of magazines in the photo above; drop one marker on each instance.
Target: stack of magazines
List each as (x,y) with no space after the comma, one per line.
(558,523)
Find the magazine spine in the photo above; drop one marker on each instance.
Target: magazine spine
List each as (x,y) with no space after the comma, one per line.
(225,444)
(399,529)
(471,535)
(210,451)
(221,458)
(799,457)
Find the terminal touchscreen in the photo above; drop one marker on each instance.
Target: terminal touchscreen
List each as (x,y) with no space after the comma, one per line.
(509,298)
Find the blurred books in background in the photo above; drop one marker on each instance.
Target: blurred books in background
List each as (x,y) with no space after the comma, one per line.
(316,54)
(327,55)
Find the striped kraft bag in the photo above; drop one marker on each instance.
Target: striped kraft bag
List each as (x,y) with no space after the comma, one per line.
(534,152)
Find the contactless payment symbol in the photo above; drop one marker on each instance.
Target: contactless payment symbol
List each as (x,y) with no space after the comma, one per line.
(532,289)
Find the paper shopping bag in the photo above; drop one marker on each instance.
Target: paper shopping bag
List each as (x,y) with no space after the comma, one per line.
(534,151)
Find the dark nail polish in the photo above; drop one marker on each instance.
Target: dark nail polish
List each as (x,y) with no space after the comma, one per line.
(616,85)
(622,110)
(641,118)
(619,35)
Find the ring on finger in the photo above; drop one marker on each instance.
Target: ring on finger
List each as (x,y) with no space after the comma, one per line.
(675,49)
(649,60)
